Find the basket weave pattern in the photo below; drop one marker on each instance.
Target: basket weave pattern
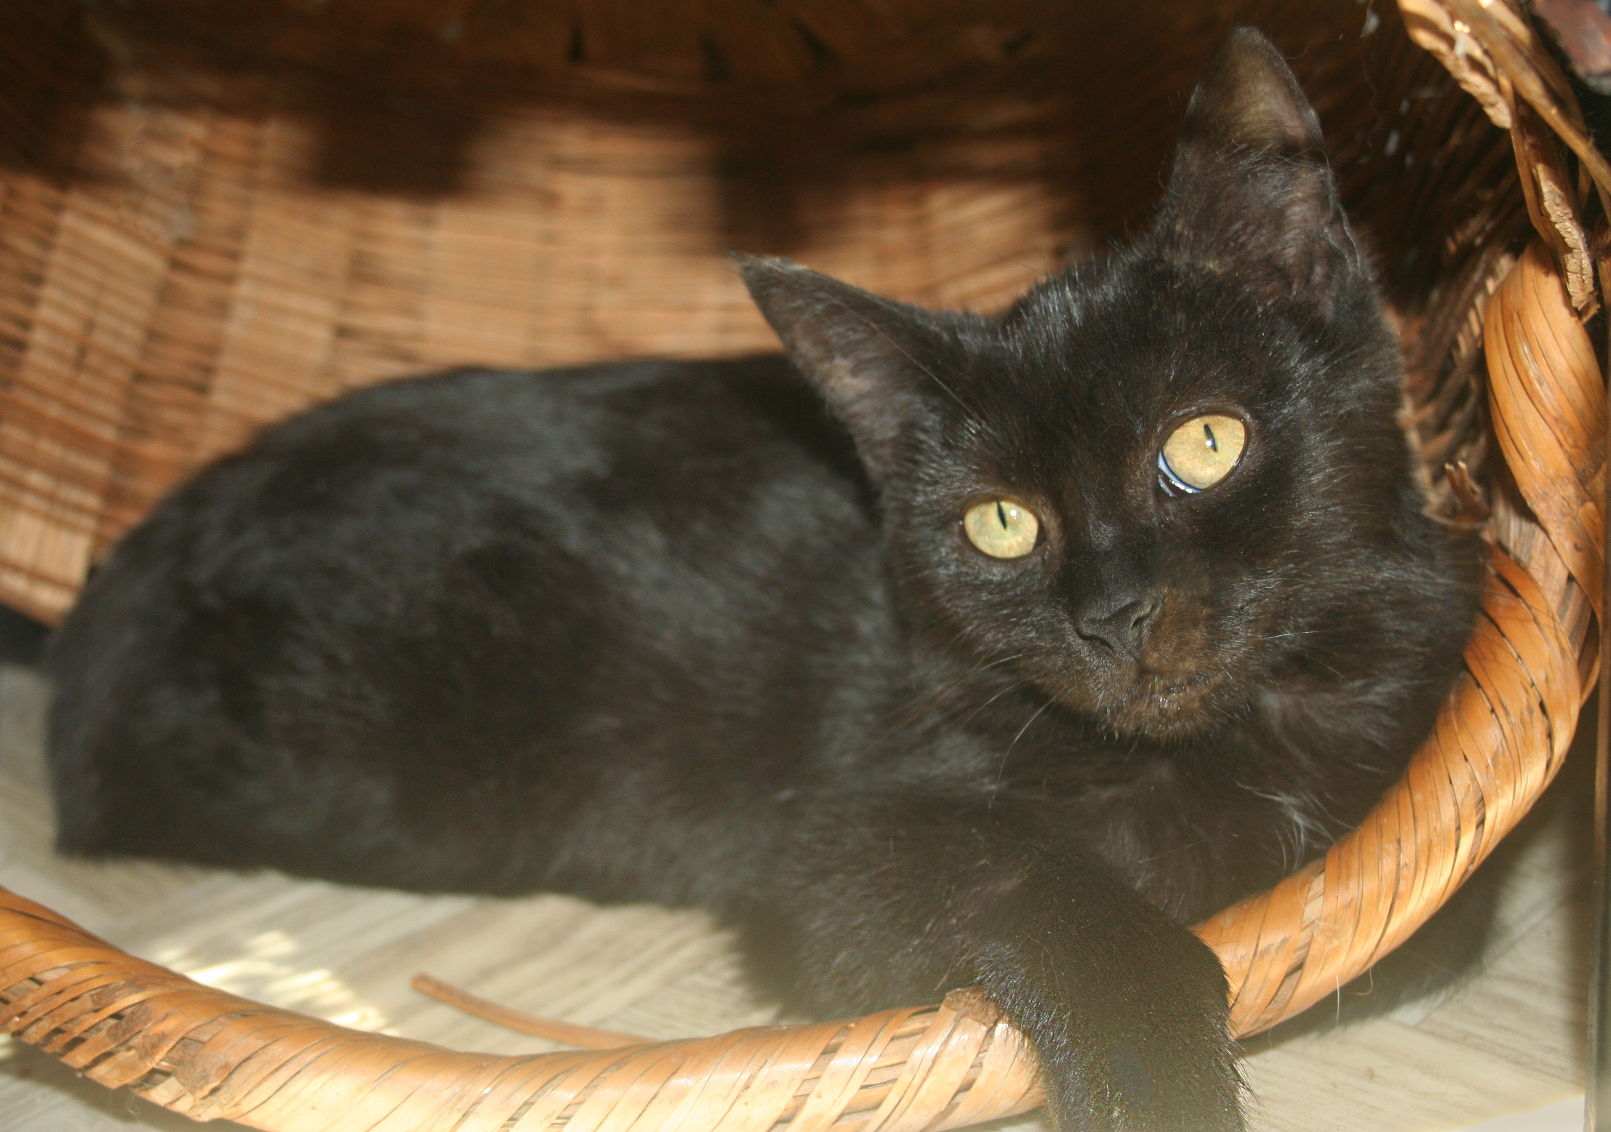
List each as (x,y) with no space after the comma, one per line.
(1473,302)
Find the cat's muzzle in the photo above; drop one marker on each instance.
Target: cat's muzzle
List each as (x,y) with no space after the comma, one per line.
(1154,670)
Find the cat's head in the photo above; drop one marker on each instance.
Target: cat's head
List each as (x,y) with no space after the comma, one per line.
(1162,482)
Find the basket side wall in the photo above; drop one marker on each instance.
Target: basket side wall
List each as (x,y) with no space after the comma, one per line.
(193,244)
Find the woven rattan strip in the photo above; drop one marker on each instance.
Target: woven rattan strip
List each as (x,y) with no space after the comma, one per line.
(1497,742)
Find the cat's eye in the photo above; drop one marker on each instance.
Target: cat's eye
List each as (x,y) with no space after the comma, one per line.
(1001,527)
(1202,451)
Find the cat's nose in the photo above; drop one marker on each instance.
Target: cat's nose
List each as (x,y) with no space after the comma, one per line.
(1121,626)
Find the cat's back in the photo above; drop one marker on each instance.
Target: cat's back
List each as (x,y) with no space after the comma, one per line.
(402,594)
(490,437)
(394,483)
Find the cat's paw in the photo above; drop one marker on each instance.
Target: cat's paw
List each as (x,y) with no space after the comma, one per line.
(1130,1033)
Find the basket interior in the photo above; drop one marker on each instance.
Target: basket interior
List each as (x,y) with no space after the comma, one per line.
(208,223)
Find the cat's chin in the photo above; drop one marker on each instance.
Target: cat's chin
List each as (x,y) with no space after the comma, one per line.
(1166,706)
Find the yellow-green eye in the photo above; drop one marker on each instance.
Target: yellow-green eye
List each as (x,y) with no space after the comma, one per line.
(1001,527)
(1202,451)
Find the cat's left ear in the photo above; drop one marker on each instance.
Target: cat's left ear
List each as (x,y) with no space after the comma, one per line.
(860,351)
(1251,192)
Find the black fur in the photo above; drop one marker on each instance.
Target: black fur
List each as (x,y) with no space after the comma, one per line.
(654,632)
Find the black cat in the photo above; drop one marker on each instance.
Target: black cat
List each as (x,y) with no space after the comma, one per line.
(1051,634)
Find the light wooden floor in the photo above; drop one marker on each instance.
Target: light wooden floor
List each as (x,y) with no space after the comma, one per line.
(1508,1041)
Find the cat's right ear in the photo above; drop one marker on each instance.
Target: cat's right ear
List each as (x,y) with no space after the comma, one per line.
(1251,194)
(859,350)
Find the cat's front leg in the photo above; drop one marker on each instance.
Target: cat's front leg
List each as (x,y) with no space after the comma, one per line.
(896,900)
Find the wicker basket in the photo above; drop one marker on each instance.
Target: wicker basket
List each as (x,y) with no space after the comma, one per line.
(207,223)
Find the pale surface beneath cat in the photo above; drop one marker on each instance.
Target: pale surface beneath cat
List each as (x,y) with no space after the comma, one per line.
(1509,1041)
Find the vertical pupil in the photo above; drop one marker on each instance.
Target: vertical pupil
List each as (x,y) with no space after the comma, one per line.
(1208,438)
(1001,514)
